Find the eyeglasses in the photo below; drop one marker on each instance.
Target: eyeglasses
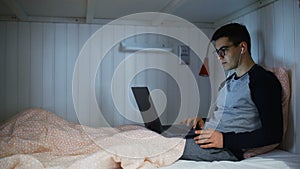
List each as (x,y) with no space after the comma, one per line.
(222,51)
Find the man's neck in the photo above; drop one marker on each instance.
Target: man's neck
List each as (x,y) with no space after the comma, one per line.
(245,66)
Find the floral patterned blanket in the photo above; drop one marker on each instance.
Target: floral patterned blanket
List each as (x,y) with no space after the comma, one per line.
(37,138)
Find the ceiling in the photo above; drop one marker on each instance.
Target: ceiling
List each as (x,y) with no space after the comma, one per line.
(205,12)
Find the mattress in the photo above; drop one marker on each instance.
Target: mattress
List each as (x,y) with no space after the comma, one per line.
(37,138)
(276,159)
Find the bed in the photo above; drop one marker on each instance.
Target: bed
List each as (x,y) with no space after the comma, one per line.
(276,159)
(38,138)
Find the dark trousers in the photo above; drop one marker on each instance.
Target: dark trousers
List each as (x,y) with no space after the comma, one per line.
(192,151)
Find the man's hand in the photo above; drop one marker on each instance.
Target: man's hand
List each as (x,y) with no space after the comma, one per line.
(209,138)
(194,121)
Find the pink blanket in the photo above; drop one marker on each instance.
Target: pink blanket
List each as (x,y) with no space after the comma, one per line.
(37,138)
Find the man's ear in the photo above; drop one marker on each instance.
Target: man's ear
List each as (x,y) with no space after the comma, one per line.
(243,46)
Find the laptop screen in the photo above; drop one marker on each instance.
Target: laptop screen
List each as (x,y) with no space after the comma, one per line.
(147,108)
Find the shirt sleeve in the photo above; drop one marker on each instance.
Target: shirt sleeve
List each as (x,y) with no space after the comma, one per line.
(266,95)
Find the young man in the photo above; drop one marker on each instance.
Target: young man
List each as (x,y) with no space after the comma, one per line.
(248,108)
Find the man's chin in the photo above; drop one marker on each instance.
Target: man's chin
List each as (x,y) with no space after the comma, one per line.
(226,68)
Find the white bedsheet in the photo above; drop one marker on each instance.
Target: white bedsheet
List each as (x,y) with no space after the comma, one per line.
(276,159)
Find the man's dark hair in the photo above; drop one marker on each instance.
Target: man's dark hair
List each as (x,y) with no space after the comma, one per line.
(235,32)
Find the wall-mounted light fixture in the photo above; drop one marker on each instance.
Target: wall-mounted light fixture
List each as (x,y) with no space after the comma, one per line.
(125,48)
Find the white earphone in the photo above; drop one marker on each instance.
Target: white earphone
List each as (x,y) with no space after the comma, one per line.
(239,62)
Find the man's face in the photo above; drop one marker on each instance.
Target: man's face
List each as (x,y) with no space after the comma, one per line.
(227,53)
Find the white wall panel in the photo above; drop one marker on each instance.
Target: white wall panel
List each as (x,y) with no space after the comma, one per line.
(3,69)
(268,36)
(94,117)
(289,62)
(288,33)
(72,52)
(49,67)
(127,68)
(12,67)
(36,65)
(296,87)
(106,70)
(60,69)
(252,25)
(38,59)
(117,57)
(23,65)
(278,42)
(84,34)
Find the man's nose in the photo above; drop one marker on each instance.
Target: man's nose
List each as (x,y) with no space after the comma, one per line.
(220,57)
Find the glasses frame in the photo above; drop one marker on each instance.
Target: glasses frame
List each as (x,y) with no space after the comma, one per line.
(221,52)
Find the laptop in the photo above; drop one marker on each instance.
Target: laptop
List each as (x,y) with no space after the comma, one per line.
(151,119)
